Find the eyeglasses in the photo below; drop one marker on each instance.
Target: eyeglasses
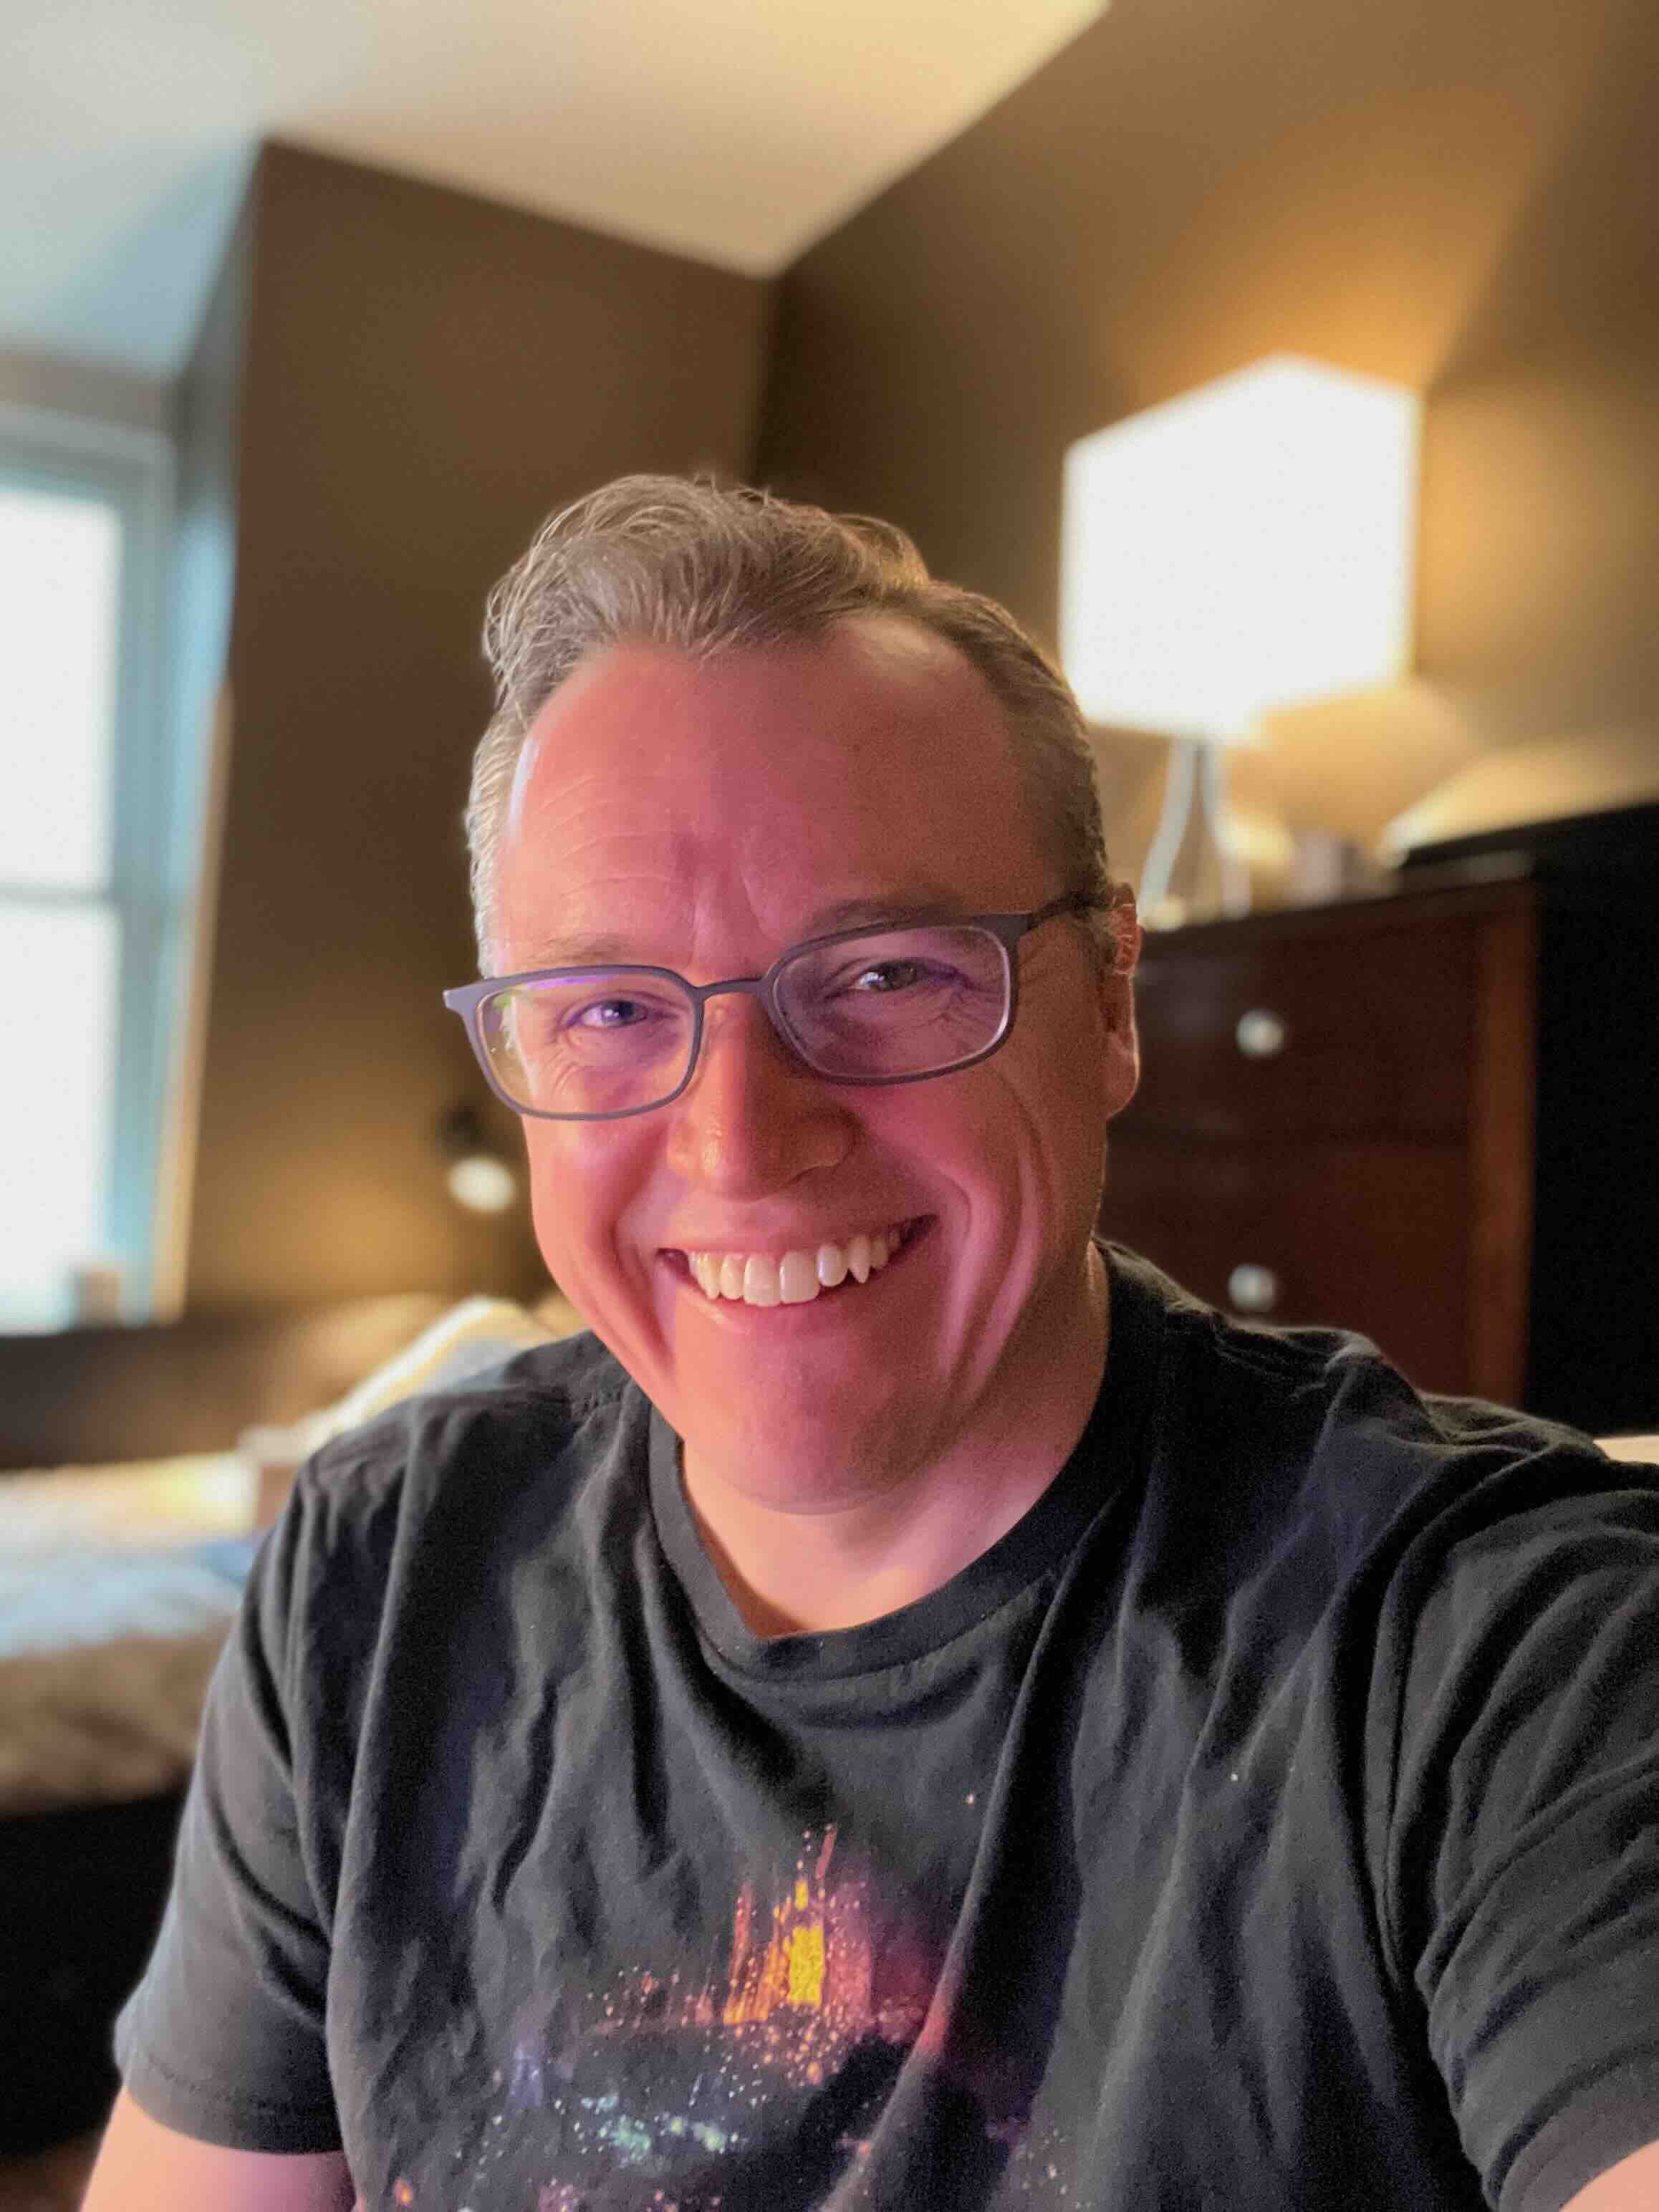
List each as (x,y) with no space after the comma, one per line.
(891,1004)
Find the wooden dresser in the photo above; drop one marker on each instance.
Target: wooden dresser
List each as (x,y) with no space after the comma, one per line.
(1421,1115)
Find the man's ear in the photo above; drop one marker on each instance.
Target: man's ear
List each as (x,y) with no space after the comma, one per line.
(1127,935)
(1121,1055)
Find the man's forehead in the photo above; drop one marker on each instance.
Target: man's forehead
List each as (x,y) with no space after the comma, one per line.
(870,679)
(879,695)
(863,777)
(592,938)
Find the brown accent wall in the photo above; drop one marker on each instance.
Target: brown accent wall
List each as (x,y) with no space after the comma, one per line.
(1459,197)
(427,375)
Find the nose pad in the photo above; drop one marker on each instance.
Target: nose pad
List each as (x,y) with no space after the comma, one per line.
(745,1025)
(754,1116)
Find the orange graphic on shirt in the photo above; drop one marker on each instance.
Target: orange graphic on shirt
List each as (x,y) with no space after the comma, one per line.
(801,1983)
(789,1969)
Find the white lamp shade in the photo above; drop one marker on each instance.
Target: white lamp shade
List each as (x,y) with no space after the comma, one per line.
(1246,546)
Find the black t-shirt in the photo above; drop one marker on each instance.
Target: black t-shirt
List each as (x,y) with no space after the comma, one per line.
(1269,1819)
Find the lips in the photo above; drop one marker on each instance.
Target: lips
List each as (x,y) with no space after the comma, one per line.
(796,1277)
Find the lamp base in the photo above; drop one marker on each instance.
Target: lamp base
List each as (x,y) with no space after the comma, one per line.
(1190,873)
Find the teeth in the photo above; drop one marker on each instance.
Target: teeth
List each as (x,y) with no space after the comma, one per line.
(754,1278)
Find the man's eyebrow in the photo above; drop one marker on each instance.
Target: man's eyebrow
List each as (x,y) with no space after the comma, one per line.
(579,952)
(923,902)
(920,902)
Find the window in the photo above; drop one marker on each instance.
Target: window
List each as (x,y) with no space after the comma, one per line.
(88,933)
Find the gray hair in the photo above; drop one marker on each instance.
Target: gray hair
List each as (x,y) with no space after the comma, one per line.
(705,568)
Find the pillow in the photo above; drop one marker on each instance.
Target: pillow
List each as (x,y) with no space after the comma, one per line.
(1644,1451)
(476,1335)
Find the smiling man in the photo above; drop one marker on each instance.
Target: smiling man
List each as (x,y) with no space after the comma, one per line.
(914,1711)
(714,811)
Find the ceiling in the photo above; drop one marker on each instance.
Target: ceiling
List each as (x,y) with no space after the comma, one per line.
(737,131)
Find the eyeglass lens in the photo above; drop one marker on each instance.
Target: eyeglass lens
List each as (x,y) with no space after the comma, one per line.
(885,1005)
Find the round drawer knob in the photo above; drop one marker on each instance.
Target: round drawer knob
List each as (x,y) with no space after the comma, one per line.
(1252,1289)
(1261,1033)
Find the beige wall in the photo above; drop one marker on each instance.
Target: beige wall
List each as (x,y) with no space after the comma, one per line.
(1460,196)
(83,390)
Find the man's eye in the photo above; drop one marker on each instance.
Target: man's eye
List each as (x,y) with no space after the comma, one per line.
(611,1014)
(884,975)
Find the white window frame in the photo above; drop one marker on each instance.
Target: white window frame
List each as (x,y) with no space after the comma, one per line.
(132,470)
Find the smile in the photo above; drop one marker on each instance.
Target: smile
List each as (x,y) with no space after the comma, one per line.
(795,1279)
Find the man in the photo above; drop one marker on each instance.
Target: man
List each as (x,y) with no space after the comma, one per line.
(914,1711)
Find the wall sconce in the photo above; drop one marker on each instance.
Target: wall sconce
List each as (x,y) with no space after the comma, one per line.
(1245,547)
(477,1176)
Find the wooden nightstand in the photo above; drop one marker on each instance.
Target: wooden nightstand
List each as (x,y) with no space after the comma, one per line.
(1417,1115)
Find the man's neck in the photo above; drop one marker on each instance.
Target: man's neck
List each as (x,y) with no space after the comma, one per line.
(792,1571)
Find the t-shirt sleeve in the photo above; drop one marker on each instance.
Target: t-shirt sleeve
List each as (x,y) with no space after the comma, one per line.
(223,2039)
(1521,1874)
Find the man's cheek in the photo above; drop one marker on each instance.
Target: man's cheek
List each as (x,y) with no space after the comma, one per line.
(570,1166)
(562,1209)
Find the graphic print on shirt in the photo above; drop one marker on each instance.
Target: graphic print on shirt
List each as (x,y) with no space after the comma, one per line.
(757,2085)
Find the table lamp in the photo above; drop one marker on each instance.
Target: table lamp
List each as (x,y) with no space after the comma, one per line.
(1245,547)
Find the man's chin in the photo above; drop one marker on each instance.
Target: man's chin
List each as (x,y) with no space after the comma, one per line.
(797,1457)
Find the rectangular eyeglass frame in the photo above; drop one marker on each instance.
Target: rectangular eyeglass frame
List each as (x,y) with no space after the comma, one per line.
(467,999)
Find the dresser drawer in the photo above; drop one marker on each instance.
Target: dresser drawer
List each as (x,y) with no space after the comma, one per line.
(1370,1236)
(1349,1031)
(1335,1123)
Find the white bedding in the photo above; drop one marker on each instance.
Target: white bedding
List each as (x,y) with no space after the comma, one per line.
(117,1586)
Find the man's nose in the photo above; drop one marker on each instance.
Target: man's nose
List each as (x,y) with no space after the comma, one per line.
(753,1116)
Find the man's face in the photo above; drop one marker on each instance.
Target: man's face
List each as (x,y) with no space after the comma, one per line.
(704,816)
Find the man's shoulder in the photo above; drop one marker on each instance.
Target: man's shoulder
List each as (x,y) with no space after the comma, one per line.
(1272,1425)
(546,1415)
(452,1524)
